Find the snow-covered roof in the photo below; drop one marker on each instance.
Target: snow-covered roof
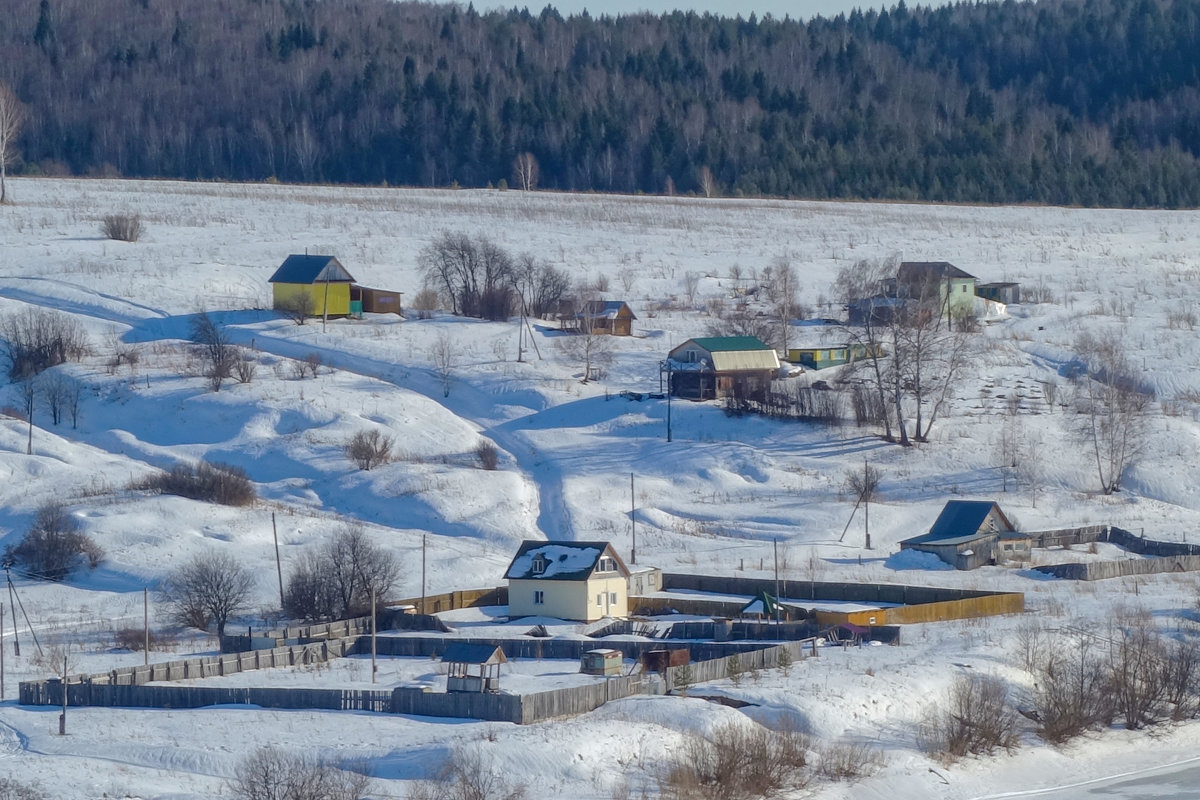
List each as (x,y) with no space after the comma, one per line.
(560,561)
(960,522)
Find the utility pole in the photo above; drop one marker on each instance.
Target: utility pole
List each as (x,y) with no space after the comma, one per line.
(12,606)
(62,718)
(146,624)
(278,566)
(775,548)
(632,522)
(325,306)
(669,399)
(1,652)
(423,537)
(374,668)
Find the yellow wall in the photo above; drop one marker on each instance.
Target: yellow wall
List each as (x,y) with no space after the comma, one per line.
(339,296)
(569,599)
(989,605)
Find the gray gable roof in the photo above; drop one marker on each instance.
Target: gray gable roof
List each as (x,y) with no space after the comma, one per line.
(959,522)
(562,561)
(311,269)
(911,271)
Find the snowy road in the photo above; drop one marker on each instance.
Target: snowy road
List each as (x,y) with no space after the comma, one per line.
(1173,782)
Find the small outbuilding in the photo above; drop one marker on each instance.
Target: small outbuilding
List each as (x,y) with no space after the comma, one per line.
(473,667)
(315,285)
(602,661)
(374,301)
(970,534)
(1007,293)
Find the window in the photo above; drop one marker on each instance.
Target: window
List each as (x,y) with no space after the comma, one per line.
(607,564)
(964,287)
(539,597)
(612,598)
(539,564)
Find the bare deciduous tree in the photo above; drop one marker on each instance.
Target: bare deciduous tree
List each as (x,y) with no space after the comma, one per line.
(12,114)
(34,339)
(444,355)
(542,286)
(864,485)
(468,774)
(1113,407)
(271,774)
(525,171)
(299,308)
(474,275)
(337,580)
(977,719)
(209,588)
(708,184)
(215,347)
(55,546)
(591,343)
(369,449)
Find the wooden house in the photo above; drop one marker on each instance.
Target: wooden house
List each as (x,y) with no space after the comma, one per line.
(713,367)
(970,534)
(318,284)
(583,581)
(473,667)
(613,317)
(374,301)
(1007,293)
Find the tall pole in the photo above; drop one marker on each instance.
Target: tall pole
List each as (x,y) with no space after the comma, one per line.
(423,574)
(775,548)
(278,566)
(632,522)
(373,627)
(1,653)
(12,606)
(146,624)
(670,390)
(62,718)
(325,307)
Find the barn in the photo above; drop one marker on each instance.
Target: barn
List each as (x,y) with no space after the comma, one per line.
(970,534)
(317,285)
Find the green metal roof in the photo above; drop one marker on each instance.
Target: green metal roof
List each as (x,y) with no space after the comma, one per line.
(721,344)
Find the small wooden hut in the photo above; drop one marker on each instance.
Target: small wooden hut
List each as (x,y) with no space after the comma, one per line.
(473,667)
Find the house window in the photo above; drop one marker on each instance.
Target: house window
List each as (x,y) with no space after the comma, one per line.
(964,288)
(539,597)
(607,565)
(612,598)
(539,564)
(1008,547)
(599,599)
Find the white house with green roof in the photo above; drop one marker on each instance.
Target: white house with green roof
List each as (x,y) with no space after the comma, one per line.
(713,367)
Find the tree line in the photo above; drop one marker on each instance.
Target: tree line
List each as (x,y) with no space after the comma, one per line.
(1090,102)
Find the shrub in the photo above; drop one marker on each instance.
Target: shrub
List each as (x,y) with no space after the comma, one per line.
(134,639)
(271,774)
(34,339)
(844,761)
(734,669)
(425,303)
(212,482)
(298,308)
(976,720)
(55,547)
(468,774)
(738,763)
(369,449)
(12,790)
(123,227)
(488,455)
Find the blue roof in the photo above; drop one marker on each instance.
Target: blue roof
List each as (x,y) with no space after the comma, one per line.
(960,520)
(311,269)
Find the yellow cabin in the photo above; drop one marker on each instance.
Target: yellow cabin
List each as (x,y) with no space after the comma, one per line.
(317,286)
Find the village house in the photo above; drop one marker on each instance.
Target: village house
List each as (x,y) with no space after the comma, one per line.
(955,288)
(972,533)
(583,581)
(316,285)
(832,354)
(613,317)
(713,367)
(1007,293)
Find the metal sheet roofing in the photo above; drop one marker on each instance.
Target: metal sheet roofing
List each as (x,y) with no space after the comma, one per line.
(960,522)
(311,269)
(562,561)
(467,653)
(916,270)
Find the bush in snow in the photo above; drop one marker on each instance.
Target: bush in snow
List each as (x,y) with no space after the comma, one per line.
(271,774)
(976,719)
(55,547)
(123,227)
(488,455)
(738,763)
(468,774)
(12,790)
(212,482)
(369,449)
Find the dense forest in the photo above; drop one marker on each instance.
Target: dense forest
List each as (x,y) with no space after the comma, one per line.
(1091,102)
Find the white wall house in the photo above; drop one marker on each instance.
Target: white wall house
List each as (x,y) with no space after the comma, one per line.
(569,580)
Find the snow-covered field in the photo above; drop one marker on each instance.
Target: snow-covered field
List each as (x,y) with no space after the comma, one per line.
(712,500)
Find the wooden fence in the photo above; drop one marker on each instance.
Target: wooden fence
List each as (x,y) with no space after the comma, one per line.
(1102,570)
